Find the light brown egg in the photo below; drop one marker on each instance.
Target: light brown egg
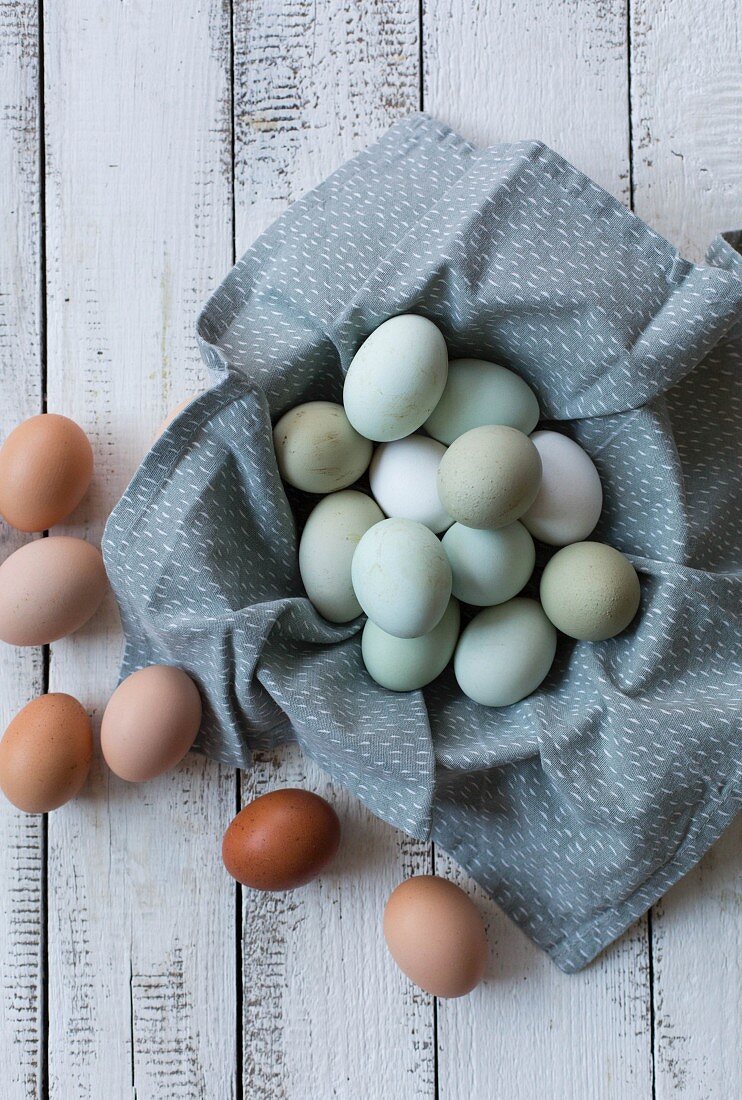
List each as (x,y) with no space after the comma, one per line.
(150,723)
(46,464)
(281,840)
(45,753)
(436,936)
(49,588)
(173,413)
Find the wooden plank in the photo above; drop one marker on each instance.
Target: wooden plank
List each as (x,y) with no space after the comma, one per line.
(325,1012)
(142,961)
(687,102)
(686,84)
(21,671)
(558,73)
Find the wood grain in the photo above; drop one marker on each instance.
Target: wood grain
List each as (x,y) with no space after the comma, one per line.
(558,73)
(142,982)
(325,1013)
(686,107)
(21,670)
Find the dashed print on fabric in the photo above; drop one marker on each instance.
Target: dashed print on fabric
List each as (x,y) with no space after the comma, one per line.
(579,806)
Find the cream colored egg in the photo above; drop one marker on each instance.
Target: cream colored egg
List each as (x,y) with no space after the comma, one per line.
(406,664)
(479,393)
(489,476)
(570,498)
(505,652)
(489,567)
(396,378)
(404,480)
(401,577)
(328,542)
(318,450)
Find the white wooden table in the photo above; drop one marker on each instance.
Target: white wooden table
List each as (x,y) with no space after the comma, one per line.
(145,144)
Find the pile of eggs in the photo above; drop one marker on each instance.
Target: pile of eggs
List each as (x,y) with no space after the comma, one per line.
(461,484)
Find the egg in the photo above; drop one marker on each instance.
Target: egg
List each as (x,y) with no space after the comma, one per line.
(49,588)
(479,393)
(590,591)
(150,722)
(570,497)
(331,534)
(317,448)
(489,476)
(436,936)
(406,664)
(46,465)
(401,577)
(175,412)
(505,652)
(404,480)
(45,754)
(281,840)
(396,378)
(489,567)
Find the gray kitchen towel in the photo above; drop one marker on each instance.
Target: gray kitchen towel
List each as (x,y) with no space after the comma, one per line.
(578,807)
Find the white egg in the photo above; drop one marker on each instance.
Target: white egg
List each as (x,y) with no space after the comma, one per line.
(404,480)
(329,539)
(570,498)
(407,664)
(505,652)
(489,567)
(401,577)
(480,393)
(396,378)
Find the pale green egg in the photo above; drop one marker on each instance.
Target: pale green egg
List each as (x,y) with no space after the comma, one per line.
(317,448)
(489,476)
(505,652)
(406,664)
(590,591)
(329,540)
(480,393)
(489,567)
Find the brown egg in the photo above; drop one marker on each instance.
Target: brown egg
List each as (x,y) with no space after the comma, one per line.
(49,588)
(281,840)
(45,753)
(173,413)
(46,464)
(150,723)
(436,936)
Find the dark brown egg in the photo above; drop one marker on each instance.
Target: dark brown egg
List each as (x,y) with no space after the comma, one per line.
(45,753)
(281,840)
(46,464)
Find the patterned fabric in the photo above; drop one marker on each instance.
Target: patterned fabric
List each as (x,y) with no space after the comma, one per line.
(579,806)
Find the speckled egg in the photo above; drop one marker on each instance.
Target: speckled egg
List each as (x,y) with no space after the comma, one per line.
(328,542)
(436,936)
(570,498)
(281,840)
(45,754)
(590,591)
(479,393)
(49,588)
(396,378)
(317,448)
(401,577)
(489,567)
(404,480)
(489,476)
(505,652)
(406,664)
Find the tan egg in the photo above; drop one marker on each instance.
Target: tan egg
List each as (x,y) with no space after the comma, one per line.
(45,753)
(46,464)
(49,588)
(436,936)
(150,723)
(173,413)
